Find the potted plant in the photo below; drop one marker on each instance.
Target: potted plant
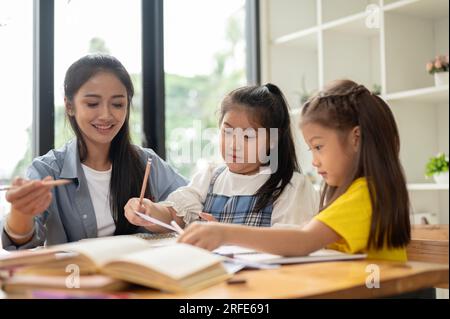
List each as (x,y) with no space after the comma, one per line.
(437,167)
(439,67)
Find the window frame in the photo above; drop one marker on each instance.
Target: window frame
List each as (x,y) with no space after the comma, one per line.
(153,90)
(43,77)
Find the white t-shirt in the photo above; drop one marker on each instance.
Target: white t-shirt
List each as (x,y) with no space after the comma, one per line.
(98,185)
(297,204)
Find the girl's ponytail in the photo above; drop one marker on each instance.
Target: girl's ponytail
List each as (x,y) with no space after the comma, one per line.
(273,89)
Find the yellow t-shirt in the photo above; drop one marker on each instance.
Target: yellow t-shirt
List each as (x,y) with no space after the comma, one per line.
(350,216)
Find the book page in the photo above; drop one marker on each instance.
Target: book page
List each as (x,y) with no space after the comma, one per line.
(101,250)
(31,282)
(175,261)
(3,252)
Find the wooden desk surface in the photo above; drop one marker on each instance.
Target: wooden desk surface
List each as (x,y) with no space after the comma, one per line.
(346,279)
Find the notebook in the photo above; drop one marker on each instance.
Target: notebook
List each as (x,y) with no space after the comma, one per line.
(159,240)
(172,268)
(250,255)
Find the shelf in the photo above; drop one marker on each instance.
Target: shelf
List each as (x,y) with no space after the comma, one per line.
(354,25)
(305,39)
(336,9)
(427,187)
(436,94)
(333,41)
(426,9)
(416,31)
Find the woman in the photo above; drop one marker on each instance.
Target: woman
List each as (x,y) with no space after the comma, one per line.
(105,168)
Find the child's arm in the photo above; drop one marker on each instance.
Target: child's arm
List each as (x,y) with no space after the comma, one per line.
(158,211)
(286,242)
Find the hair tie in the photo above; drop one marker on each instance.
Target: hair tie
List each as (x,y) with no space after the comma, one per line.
(359,89)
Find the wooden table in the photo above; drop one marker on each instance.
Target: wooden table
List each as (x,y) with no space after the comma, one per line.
(345,279)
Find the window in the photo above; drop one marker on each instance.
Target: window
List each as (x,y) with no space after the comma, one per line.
(97,26)
(16,87)
(205,58)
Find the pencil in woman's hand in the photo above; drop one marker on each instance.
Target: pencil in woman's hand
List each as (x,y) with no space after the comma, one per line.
(144,182)
(58,182)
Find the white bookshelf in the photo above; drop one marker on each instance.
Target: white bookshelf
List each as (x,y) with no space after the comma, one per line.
(427,187)
(429,95)
(324,40)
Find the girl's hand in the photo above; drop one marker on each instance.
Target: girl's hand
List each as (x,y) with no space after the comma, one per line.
(29,198)
(207,217)
(207,236)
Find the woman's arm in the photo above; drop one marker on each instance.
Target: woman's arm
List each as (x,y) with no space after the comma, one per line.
(286,242)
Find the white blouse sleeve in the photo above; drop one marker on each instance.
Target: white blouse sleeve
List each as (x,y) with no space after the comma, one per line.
(188,200)
(298,203)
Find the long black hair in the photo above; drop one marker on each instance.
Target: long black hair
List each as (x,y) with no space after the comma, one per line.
(270,109)
(127,167)
(342,106)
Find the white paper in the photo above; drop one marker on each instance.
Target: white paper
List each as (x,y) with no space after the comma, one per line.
(155,221)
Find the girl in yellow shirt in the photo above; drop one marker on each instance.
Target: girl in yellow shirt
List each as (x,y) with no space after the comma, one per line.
(364,203)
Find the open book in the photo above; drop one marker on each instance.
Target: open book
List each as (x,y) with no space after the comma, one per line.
(21,284)
(173,268)
(250,255)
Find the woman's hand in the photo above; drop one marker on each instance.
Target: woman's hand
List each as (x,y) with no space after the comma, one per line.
(148,208)
(133,206)
(205,235)
(29,198)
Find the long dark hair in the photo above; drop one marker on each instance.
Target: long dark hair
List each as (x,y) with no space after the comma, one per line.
(268,105)
(342,106)
(127,167)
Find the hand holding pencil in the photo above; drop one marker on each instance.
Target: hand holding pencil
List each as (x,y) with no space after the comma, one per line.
(143,212)
(58,182)
(141,204)
(28,198)
(145,180)
(31,197)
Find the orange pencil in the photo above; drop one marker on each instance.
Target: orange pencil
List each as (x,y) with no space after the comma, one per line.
(144,182)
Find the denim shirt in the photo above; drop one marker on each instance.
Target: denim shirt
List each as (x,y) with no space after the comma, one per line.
(70,216)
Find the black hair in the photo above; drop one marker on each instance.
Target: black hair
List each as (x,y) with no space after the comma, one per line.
(268,105)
